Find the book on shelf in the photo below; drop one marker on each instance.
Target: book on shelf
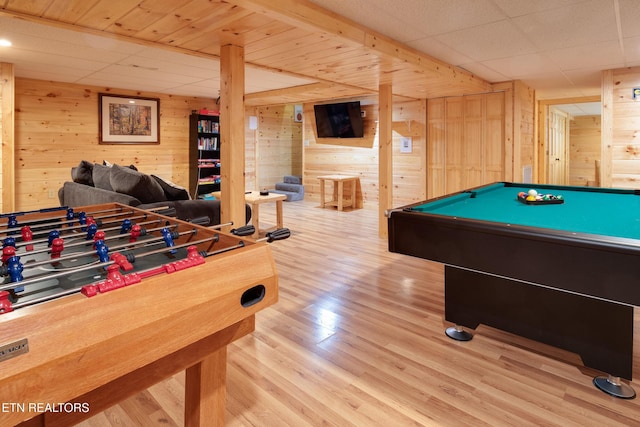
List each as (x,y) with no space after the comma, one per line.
(208,143)
(208,126)
(212,179)
(206,112)
(208,163)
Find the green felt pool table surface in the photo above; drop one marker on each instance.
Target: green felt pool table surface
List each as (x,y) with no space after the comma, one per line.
(592,210)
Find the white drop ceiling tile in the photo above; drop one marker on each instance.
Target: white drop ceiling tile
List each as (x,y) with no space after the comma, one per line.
(169,68)
(588,108)
(56,74)
(547,80)
(630,17)
(515,8)
(599,56)
(491,41)
(436,49)
(174,57)
(489,74)
(412,19)
(432,17)
(200,90)
(44,59)
(143,73)
(372,14)
(106,80)
(16,28)
(517,67)
(631,51)
(37,46)
(593,21)
(590,79)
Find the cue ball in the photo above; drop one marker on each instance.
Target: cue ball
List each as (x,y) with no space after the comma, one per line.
(533,193)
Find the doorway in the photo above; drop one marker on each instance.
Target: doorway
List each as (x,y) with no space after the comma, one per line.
(569,132)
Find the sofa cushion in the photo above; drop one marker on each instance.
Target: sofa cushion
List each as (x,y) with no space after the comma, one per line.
(141,186)
(102,177)
(292,179)
(171,190)
(83,173)
(294,188)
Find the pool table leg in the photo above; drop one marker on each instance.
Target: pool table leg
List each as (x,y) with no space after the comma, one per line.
(458,334)
(613,386)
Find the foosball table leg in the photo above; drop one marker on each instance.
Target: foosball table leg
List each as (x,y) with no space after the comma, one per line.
(205,391)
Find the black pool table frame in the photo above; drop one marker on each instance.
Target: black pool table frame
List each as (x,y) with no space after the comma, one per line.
(574,291)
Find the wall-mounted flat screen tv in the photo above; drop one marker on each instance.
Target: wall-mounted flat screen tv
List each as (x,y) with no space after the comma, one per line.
(342,120)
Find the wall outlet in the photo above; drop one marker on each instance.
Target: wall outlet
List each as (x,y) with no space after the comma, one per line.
(52,194)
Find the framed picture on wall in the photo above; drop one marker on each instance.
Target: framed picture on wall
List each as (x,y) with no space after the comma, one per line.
(129,119)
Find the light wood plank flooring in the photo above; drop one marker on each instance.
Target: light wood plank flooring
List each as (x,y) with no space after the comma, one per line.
(357,339)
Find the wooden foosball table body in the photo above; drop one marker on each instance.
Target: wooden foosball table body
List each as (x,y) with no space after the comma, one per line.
(71,357)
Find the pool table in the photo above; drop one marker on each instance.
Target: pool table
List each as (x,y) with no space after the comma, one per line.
(563,272)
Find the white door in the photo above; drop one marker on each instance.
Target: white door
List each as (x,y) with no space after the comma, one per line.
(557,146)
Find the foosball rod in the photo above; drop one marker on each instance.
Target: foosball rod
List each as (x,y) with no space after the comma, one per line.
(75,227)
(155,221)
(45,222)
(128,246)
(279,234)
(98,265)
(45,210)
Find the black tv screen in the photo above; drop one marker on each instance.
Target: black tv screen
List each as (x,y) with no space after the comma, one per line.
(341,120)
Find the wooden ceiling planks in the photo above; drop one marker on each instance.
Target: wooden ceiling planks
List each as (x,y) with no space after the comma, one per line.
(289,36)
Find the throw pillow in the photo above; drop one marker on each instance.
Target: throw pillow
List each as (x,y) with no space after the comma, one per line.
(141,186)
(83,173)
(102,177)
(171,190)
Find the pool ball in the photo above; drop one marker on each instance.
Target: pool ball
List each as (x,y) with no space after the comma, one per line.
(531,198)
(533,193)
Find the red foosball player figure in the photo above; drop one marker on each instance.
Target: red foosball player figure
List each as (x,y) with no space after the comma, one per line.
(57,246)
(27,236)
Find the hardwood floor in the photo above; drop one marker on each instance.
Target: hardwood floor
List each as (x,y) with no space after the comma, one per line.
(357,339)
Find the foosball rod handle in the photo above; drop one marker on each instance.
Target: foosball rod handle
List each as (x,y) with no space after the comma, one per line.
(246,230)
(279,234)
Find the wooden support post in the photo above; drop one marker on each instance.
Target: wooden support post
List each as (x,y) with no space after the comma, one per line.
(232,185)
(385,157)
(7,139)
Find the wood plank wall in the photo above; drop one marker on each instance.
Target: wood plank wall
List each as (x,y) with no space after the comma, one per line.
(584,150)
(278,145)
(466,142)
(621,144)
(524,130)
(359,156)
(57,127)
(250,144)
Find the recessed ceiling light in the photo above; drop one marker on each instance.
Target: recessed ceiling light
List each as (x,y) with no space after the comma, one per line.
(5,42)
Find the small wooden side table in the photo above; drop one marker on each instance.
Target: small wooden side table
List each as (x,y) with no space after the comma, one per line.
(338,191)
(255,199)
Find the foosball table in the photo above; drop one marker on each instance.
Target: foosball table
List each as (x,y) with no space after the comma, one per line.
(100,302)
